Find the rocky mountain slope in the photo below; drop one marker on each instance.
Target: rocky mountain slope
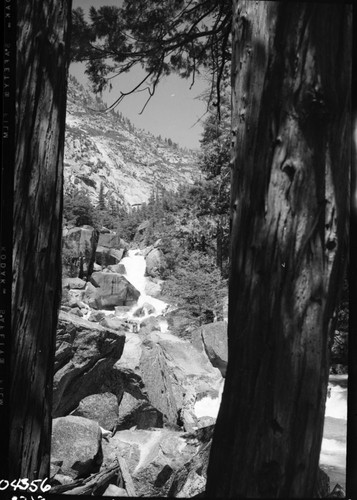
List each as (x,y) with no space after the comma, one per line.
(104,148)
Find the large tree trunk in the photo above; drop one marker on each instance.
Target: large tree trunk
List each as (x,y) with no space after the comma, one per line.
(42,60)
(290,188)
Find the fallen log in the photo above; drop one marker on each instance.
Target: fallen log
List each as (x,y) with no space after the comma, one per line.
(89,485)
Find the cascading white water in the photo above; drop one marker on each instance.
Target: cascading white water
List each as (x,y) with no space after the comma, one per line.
(135,266)
(333,448)
(333,451)
(207,406)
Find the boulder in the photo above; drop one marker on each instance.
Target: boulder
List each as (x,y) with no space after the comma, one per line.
(108,256)
(90,295)
(121,310)
(137,412)
(163,462)
(117,268)
(158,381)
(102,408)
(73,283)
(81,243)
(188,364)
(85,354)
(190,480)
(76,446)
(153,288)
(213,339)
(72,301)
(148,308)
(149,325)
(155,263)
(114,323)
(76,311)
(139,312)
(145,309)
(112,240)
(96,316)
(113,290)
(145,376)
(114,491)
(206,421)
(187,418)
(169,373)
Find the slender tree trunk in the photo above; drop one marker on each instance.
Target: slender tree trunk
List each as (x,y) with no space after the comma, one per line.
(291,124)
(219,257)
(42,60)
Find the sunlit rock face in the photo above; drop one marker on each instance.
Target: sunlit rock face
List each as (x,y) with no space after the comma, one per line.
(104,149)
(163,462)
(212,338)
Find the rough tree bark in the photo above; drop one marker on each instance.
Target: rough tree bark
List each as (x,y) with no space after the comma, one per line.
(42,60)
(290,193)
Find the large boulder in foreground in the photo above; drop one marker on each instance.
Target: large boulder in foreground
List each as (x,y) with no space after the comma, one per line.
(169,373)
(212,338)
(102,408)
(76,449)
(163,462)
(112,290)
(85,355)
(146,376)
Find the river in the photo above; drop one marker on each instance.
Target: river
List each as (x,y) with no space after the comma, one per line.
(333,450)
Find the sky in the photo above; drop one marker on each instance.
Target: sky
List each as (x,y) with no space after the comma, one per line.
(175,111)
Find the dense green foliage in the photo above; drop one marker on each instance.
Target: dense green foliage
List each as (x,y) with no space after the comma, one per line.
(78,209)
(339,342)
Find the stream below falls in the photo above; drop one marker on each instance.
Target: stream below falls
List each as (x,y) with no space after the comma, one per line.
(333,450)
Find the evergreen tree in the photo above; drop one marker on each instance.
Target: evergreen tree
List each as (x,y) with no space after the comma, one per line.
(101,199)
(78,209)
(214,161)
(162,36)
(42,46)
(197,285)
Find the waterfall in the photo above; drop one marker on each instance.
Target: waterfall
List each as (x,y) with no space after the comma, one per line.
(135,266)
(333,450)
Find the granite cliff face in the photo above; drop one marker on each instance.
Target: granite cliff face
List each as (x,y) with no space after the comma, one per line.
(103,148)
